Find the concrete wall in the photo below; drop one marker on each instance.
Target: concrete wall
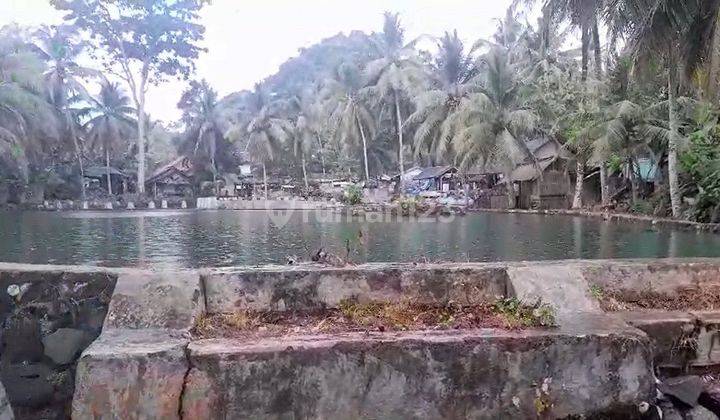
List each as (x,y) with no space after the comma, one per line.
(432,375)
(239,204)
(307,287)
(145,364)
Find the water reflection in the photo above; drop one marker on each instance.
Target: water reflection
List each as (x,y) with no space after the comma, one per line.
(222,238)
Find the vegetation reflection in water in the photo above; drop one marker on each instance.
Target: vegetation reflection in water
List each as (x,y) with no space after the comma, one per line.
(225,238)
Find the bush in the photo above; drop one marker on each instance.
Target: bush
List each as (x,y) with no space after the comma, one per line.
(353,195)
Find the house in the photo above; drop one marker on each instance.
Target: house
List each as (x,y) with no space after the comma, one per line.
(98,176)
(438,178)
(173,179)
(541,180)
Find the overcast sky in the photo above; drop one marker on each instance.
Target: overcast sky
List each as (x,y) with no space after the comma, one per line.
(247,40)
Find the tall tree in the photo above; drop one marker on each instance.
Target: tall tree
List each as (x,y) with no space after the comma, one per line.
(60,50)
(143,43)
(492,124)
(307,128)
(394,74)
(110,125)
(343,97)
(205,121)
(674,32)
(263,129)
(451,78)
(27,120)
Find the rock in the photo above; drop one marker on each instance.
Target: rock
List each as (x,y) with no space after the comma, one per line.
(28,385)
(21,340)
(685,389)
(130,205)
(164,300)
(5,409)
(63,345)
(131,374)
(164,204)
(700,413)
(151,205)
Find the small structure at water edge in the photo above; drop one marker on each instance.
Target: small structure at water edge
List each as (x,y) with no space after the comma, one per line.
(172,180)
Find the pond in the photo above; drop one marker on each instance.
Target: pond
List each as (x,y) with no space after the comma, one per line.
(226,238)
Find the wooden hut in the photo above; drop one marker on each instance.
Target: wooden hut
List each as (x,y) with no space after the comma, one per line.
(172,180)
(441,178)
(543,182)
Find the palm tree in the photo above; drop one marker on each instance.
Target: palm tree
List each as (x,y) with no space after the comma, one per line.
(394,74)
(583,15)
(451,79)
(265,132)
(63,77)
(490,125)
(672,31)
(206,121)
(110,125)
(353,121)
(306,128)
(26,118)
(626,135)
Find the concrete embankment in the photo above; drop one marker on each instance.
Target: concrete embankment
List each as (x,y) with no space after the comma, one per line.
(146,363)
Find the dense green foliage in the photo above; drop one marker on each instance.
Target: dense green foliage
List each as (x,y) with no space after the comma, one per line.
(364,105)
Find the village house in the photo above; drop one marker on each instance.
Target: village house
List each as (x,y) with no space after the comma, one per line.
(174,179)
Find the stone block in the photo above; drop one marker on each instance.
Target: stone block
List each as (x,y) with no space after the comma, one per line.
(312,287)
(131,374)
(160,300)
(423,375)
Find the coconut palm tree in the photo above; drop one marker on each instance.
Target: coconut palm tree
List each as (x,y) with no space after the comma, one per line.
(627,134)
(394,75)
(307,128)
(262,127)
(491,124)
(451,78)
(63,77)
(343,97)
(583,15)
(206,121)
(110,125)
(675,32)
(27,120)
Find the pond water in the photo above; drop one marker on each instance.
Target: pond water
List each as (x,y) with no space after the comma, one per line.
(226,238)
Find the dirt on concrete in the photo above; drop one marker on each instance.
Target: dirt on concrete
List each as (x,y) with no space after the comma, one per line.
(376,316)
(695,299)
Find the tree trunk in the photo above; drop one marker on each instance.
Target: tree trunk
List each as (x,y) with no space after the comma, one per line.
(265,181)
(510,189)
(597,47)
(545,31)
(579,178)
(400,143)
(78,154)
(635,188)
(673,181)
(214,171)
(364,142)
(322,155)
(107,169)
(585,51)
(604,187)
(141,137)
(714,70)
(305,178)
